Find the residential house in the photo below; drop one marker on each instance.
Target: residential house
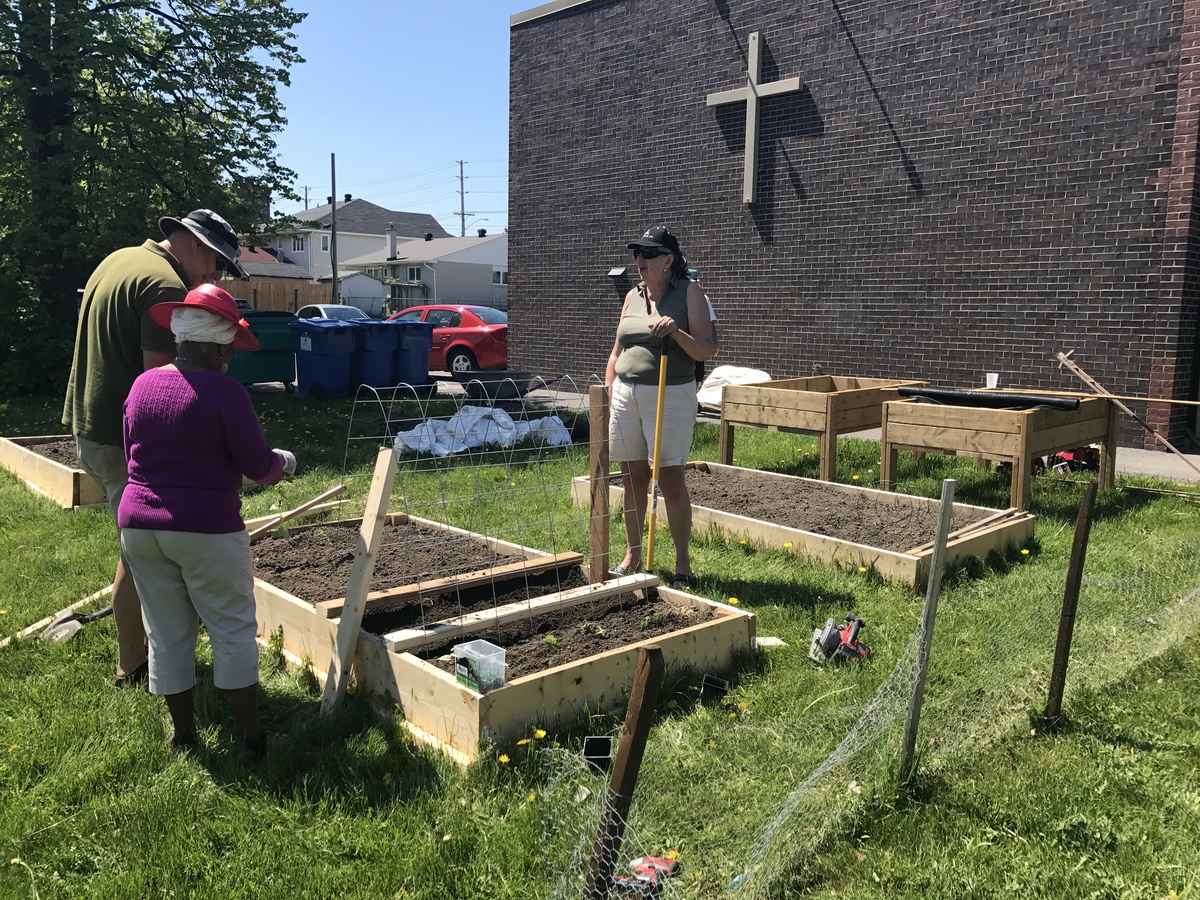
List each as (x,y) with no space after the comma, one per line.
(361,226)
(470,270)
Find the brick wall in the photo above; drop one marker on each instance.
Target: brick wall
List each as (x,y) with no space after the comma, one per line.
(962,187)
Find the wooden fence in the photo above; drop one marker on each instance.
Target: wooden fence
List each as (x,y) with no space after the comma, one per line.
(287,295)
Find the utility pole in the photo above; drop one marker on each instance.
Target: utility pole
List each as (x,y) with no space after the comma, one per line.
(332,228)
(306,196)
(462,200)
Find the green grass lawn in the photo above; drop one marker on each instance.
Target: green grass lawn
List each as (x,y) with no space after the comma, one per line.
(95,804)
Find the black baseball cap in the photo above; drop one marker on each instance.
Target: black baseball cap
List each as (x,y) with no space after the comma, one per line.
(213,231)
(657,238)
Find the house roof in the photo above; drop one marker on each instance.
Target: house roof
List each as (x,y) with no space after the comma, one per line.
(363,217)
(423,251)
(257,269)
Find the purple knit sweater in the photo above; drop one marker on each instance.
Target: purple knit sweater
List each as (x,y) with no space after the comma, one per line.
(189,439)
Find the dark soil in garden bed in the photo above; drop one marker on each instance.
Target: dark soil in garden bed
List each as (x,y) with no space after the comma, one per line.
(314,563)
(61,452)
(557,637)
(811,506)
(449,606)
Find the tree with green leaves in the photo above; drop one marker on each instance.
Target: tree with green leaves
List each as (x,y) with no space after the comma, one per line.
(114,113)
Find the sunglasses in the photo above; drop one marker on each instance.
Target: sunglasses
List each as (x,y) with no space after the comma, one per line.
(648,253)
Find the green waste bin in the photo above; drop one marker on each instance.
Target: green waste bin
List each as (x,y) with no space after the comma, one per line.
(274,360)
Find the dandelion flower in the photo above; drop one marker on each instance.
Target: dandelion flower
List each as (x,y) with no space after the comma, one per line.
(742,704)
(673,854)
(733,601)
(743,543)
(854,478)
(503,757)
(733,715)
(513,483)
(3,612)
(862,568)
(522,742)
(531,798)
(539,733)
(787,545)
(447,836)
(1025,552)
(671,704)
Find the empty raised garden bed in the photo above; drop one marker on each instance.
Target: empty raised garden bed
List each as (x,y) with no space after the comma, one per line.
(837,523)
(48,464)
(824,405)
(503,592)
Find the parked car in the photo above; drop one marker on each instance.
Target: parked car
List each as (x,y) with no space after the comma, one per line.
(330,311)
(464,337)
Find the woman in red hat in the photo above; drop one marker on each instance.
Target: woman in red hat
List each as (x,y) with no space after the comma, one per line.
(191,434)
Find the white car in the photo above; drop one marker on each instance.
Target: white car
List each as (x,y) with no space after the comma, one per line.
(330,311)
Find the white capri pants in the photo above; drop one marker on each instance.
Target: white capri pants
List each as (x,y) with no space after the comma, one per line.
(183,577)
(632,409)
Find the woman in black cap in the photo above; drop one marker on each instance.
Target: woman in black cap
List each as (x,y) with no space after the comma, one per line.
(666,304)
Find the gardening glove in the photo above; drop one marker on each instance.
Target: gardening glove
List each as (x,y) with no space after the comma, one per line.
(289,461)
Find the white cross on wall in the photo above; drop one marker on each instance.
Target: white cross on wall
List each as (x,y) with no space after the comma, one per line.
(752,93)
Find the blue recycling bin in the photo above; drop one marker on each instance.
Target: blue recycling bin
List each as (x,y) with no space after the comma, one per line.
(374,346)
(410,362)
(323,349)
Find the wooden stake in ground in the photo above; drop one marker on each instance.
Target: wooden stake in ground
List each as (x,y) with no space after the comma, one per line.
(1065,360)
(1066,622)
(623,781)
(928,617)
(363,568)
(599,521)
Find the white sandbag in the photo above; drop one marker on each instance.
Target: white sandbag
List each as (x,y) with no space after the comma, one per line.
(709,395)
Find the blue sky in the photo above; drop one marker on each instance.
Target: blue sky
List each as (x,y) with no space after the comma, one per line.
(400,90)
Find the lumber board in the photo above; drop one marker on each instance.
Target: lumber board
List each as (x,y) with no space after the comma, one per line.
(906,412)
(305,635)
(598,463)
(437,632)
(69,487)
(332,505)
(933,437)
(1068,436)
(350,622)
(1089,409)
(737,412)
(332,608)
(966,529)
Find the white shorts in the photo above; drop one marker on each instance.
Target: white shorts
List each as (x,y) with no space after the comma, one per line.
(183,577)
(632,409)
(107,466)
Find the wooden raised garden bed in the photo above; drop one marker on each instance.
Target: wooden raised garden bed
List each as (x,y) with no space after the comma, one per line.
(1008,435)
(824,405)
(409,627)
(860,526)
(65,484)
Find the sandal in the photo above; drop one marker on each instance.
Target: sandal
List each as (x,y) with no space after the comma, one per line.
(682,582)
(622,571)
(132,679)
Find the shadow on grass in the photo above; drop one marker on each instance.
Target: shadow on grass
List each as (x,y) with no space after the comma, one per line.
(350,755)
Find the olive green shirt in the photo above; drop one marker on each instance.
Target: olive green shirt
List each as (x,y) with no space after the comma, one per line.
(640,350)
(114,328)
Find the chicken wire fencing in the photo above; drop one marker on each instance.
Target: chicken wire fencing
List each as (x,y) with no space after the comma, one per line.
(503,471)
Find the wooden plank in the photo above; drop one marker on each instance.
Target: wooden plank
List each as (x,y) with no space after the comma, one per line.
(966,529)
(1041,419)
(598,518)
(769,397)
(331,609)
(907,412)
(350,622)
(1068,436)
(1011,532)
(296,511)
(67,486)
(251,524)
(779,417)
(827,443)
(304,634)
(446,629)
(932,437)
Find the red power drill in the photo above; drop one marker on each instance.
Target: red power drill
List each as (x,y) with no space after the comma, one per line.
(649,873)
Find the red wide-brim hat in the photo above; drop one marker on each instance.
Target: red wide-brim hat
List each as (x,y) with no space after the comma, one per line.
(217,301)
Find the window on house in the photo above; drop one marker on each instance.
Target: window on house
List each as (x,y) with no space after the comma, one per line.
(414,273)
(324,243)
(298,244)
(500,276)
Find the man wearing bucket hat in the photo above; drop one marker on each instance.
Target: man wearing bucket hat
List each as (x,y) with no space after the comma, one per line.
(191,435)
(115,341)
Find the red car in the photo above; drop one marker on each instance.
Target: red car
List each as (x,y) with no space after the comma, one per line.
(464,337)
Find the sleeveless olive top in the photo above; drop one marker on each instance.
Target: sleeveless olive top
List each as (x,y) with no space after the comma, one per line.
(640,350)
